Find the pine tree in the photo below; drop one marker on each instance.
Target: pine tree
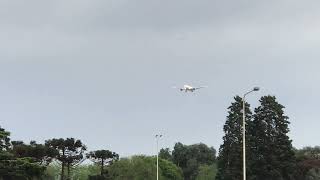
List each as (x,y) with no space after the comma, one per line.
(271,152)
(4,139)
(230,152)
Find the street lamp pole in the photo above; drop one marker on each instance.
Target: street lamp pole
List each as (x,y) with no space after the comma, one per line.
(158,136)
(244,129)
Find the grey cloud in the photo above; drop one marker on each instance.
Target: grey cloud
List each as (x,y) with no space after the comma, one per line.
(113,63)
(155,14)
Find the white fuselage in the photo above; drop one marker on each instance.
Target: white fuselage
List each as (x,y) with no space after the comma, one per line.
(187,88)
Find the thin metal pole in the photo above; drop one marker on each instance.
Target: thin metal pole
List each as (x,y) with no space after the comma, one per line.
(157,158)
(244,129)
(244,136)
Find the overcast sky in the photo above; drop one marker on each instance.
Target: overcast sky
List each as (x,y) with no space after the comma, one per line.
(102,70)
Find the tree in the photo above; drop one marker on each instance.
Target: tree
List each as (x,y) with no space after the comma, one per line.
(5,156)
(206,172)
(169,171)
(143,167)
(12,167)
(272,155)
(165,154)
(230,152)
(308,163)
(39,153)
(134,168)
(308,153)
(4,145)
(313,174)
(21,168)
(189,158)
(83,172)
(4,139)
(179,155)
(70,153)
(103,158)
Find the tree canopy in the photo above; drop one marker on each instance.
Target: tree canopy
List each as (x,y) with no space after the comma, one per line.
(271,151)
(103,158)
(12,167)
(71,153)
(230,152)
(38,152)
(190,157)
(143,167)
(206,172)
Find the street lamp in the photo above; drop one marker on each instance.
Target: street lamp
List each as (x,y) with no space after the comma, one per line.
(158,136)
(244,129)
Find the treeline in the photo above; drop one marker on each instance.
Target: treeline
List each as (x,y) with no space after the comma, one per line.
(30,161)
(63,159)
(194,162)
(270,154)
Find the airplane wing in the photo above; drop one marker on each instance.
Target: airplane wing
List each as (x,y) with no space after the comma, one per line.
(200,87)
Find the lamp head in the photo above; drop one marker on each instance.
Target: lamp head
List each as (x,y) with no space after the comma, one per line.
(256,89)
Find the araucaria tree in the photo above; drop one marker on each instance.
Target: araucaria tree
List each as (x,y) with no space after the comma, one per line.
(71,153)
(272,155)
(103,158)
(12,167)
(39,153)
(230,152)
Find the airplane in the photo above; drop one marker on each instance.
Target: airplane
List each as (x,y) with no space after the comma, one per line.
(188,88)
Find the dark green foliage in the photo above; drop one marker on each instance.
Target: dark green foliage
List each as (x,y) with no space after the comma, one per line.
(190,158)
(230,152)
(308,153)
(4,139)
(71,153)
(169,171)
(103,158)
(308,163)
(271,155)
(38,152)
(80,172)
(135,168)
(22,168)
(15,168)
(97,177)
(143,167)
(179,155)
(207,172)
(165,154)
